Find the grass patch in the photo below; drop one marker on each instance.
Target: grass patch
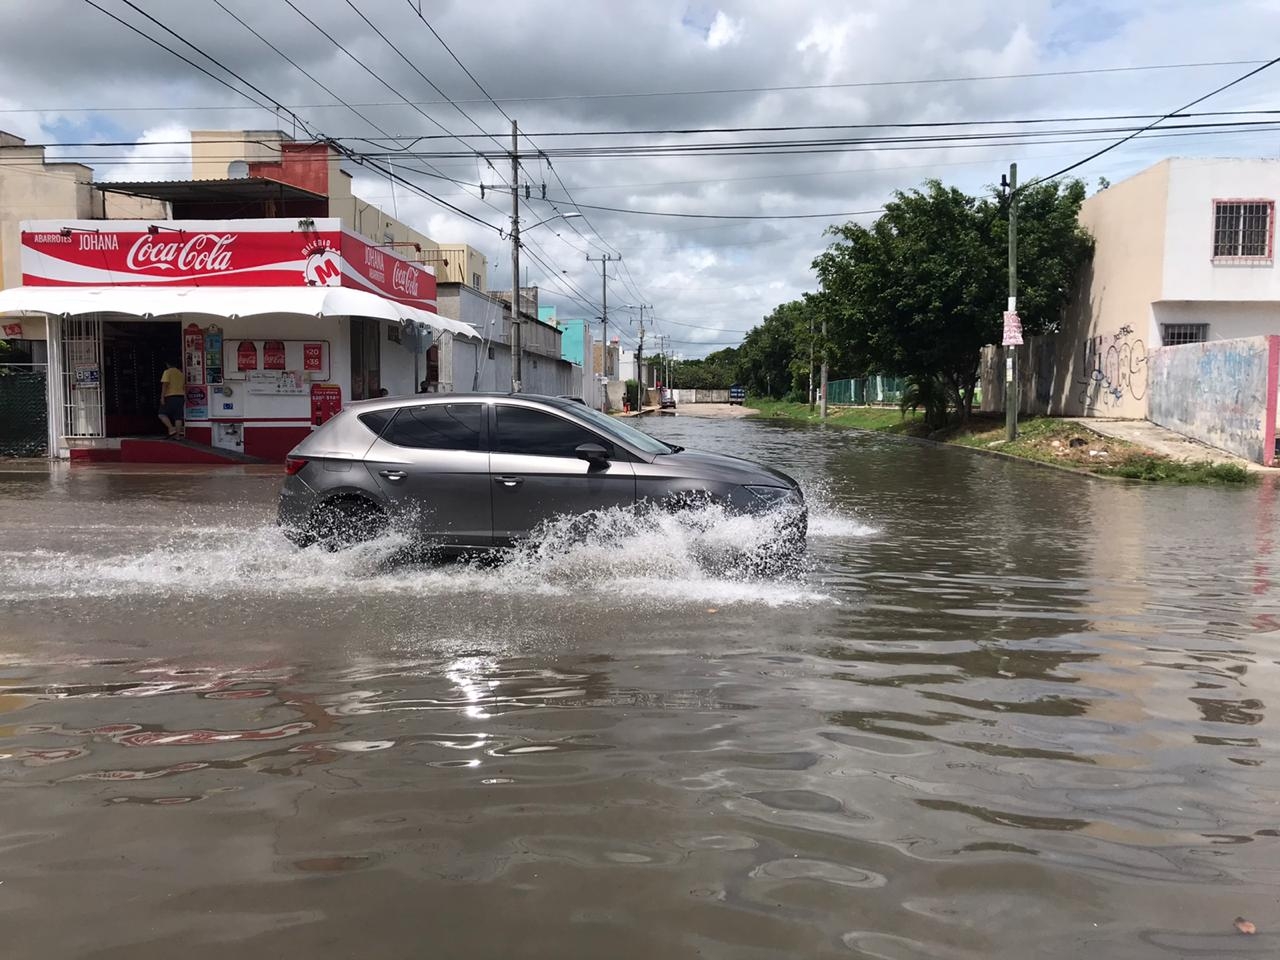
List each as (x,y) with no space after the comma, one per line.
(1051,440)
(1175,471)
(881,419)
(1045,439)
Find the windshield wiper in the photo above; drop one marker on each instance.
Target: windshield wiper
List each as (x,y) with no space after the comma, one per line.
(675,448)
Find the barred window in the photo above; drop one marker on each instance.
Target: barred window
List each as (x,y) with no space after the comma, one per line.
(1242,229)
(1175,334)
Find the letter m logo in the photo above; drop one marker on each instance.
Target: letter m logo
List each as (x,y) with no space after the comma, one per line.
(324,270)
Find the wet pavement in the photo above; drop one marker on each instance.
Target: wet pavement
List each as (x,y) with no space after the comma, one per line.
(1008,712)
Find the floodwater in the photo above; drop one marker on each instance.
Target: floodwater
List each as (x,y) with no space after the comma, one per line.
(1007,712)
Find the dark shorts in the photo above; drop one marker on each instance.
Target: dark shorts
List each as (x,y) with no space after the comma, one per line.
(172,406)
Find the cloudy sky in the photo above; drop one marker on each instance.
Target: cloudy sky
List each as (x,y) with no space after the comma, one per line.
(69,74)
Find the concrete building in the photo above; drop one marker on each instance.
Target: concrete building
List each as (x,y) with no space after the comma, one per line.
(34,188)
(486,364)
(238,178)
(578,347)
(1185,255)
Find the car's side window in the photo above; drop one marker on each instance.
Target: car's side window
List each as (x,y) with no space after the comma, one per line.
(438,426)
(533,433)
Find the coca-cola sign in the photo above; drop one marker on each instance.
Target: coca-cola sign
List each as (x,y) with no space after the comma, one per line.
(230,253)
(404,279)
(202,252)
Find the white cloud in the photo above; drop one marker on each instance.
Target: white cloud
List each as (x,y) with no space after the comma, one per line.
(717,276)
(724,31)
(161,153)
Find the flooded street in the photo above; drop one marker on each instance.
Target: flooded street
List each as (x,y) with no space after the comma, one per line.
(1006,712)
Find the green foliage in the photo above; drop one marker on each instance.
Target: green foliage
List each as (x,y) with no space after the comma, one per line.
(922,290)
(929,392)
(716,371)
(1174,471)
(631,393)
(774,359)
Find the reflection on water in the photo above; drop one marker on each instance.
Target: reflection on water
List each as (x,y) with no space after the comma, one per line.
(1007,712)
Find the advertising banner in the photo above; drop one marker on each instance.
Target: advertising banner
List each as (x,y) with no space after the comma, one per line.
(193,353)
(273,355)
(247,355)
(277,252)
(213,354)
(197,406)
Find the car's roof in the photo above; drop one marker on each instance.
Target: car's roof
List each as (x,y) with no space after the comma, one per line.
(384,403)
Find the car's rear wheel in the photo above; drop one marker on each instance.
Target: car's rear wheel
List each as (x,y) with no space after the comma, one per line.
(344,523)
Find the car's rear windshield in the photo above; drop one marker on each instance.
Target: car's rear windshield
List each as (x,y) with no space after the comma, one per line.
(616,428)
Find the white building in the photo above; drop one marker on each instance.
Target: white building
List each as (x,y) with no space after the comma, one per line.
(1185,253)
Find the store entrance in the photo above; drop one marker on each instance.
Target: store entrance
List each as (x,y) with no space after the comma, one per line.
(133,358)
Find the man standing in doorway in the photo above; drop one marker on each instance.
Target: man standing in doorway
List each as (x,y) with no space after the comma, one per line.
(173,397)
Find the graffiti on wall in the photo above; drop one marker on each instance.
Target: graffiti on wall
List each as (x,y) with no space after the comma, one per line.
(1221,392)
(1113,369)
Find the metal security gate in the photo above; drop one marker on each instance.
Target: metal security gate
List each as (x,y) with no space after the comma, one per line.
(24,412)
(81,344)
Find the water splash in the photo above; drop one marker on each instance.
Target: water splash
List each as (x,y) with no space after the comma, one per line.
(619,556)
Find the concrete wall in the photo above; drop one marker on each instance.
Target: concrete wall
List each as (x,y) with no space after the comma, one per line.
(1097,365)
(700,396)
(1222,393)
(1227,320)
(1190,272)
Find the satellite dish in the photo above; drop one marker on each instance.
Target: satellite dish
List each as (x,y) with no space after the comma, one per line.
(237,170)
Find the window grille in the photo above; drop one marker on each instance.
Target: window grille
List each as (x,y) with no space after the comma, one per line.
(1176,334)
(1242,229)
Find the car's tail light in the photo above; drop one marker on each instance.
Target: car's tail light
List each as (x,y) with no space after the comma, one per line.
(293,464)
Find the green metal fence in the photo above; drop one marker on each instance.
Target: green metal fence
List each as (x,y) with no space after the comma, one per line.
(865,391)
(23,411)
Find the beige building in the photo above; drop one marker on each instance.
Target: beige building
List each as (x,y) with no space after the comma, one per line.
(34,188)
(228,154)
(1185,253)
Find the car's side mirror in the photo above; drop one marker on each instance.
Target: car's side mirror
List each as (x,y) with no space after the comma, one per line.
(593,453)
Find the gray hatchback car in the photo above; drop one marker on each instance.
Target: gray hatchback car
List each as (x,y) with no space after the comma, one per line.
(476,472)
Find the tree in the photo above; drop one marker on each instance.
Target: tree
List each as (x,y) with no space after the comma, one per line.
(774,357)
(922,290)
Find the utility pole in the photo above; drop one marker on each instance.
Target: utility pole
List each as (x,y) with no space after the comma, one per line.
(516,346)
(640,367)
(823,404)
(604,260)
(811,361)
(642,307)
(1011,351)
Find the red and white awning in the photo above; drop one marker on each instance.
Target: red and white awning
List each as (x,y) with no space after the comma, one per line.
(139,301)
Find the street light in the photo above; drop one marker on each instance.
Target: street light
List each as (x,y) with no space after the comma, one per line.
(558,216)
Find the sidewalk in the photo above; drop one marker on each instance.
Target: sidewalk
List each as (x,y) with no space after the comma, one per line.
(1165,442)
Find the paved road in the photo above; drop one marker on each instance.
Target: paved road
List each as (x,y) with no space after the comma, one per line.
(1008,713)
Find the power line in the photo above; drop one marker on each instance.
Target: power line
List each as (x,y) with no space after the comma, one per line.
(670,93)
(732,216)
(184,59)
(1126,139)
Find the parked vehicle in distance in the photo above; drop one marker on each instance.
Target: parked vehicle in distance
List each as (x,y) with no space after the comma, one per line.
(738,394)
(667,399)
(467,473)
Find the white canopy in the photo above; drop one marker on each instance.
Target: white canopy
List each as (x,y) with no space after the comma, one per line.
(222,302)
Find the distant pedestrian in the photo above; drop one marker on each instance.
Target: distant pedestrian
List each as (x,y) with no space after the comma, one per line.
(173,397)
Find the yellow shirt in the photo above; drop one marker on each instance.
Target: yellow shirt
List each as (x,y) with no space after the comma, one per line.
(173,383)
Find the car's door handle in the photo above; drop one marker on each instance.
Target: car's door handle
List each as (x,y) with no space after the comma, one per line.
(509,481)
(392,474)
